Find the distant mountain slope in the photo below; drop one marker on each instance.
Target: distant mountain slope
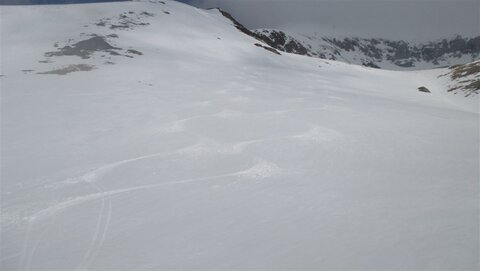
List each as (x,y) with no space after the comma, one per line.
(457,52)
(375,53)
(378,53)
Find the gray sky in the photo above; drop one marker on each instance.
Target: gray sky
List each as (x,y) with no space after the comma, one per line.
(395,19)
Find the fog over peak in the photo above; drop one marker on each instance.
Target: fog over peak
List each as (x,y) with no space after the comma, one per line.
(392,19)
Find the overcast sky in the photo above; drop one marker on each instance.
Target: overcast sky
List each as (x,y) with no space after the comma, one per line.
(418,20)
(395,19)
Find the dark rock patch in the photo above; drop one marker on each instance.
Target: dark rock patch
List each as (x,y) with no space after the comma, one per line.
(371,65)
(424,89)
(135,52)
(96,43)
(148,14)
(267,48)
(166,12)
(296,48)
(466,78)
(85,48)
(346,44)
(125,21)
(69,69)
(113,53)
(126,25)
(406,63)
(119,26)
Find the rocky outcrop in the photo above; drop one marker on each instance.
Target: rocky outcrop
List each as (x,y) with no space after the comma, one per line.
(374,53)
(465,79)
(378,53)
(270,49)
(276,41)
(424,89)
(84,48)
(279,40)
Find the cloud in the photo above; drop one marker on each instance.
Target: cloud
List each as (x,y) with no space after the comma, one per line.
(394,19)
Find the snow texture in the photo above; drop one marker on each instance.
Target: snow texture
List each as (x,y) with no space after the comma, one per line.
(208,152)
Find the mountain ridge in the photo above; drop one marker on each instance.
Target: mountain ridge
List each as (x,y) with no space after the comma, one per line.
(377,52)
(370,52)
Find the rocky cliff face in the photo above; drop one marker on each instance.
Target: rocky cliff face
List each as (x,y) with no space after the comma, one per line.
(377,53)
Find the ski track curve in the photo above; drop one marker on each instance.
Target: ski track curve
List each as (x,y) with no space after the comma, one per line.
(261,169)
(58,208)
(95,245)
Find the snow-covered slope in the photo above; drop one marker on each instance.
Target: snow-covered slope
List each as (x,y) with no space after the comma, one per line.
(375,52)
(153,135)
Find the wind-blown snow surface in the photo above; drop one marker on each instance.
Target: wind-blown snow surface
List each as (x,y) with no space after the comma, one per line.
(207,152)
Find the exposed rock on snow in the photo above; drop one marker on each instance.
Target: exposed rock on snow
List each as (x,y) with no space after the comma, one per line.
(270,49)
(423,89)
(85,48)
(126,20)
(466,78)
(375,52)
(69,69)
(135,52)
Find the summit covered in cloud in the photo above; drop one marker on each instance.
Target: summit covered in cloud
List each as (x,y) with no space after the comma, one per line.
(412,21)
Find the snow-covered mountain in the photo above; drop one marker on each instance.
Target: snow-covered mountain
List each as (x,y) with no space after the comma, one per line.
(154,135)
(377,53)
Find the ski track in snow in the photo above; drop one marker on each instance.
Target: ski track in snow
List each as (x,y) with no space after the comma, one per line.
(179,125)
(31,254)
(262,169)
(100,233)
(94,175)
(316,134)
